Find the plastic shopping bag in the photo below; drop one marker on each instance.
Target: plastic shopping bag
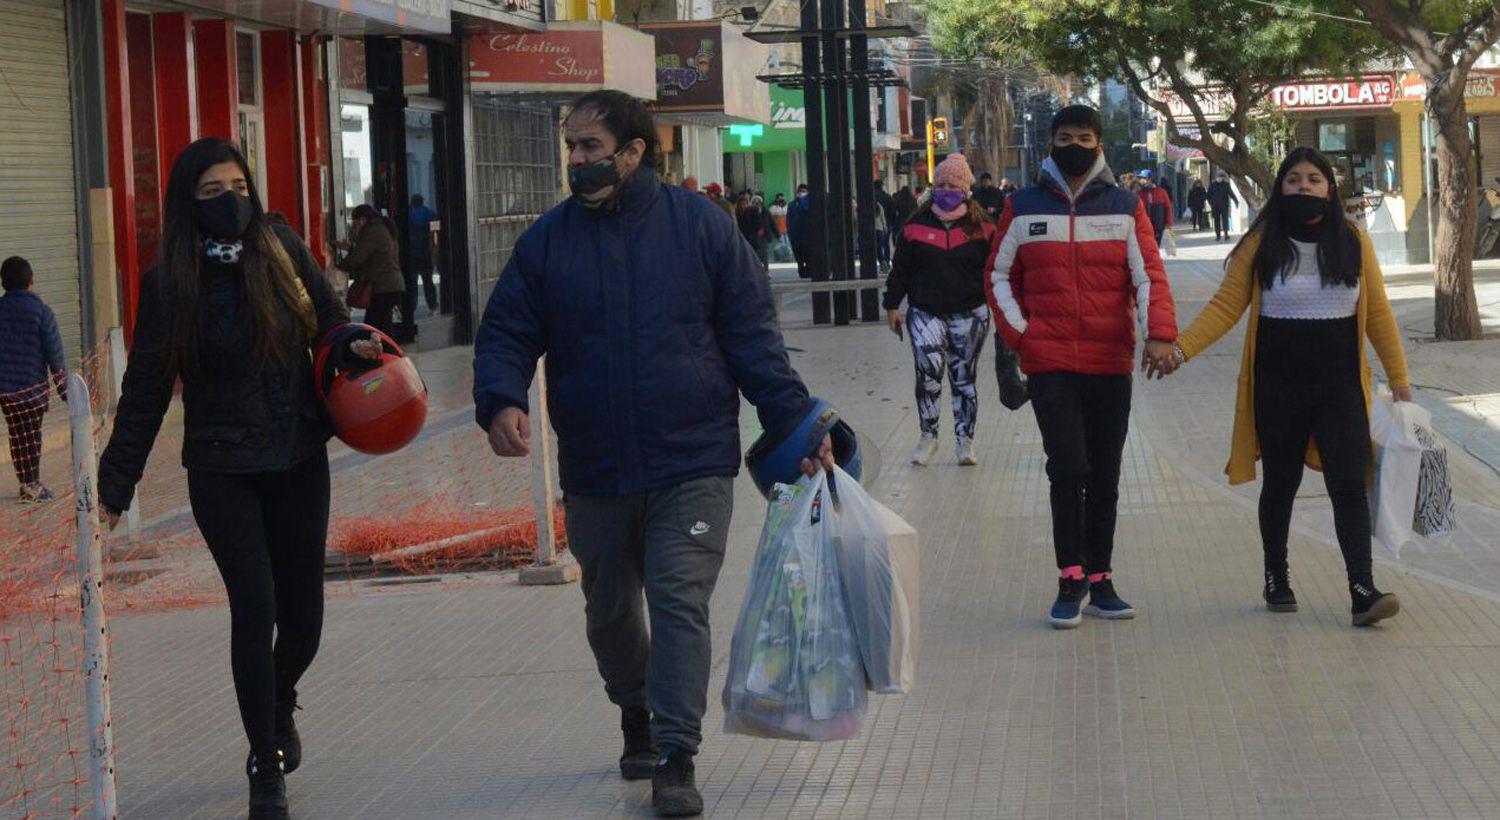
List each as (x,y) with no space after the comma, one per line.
(1413,493)
(877,554)
(794,664)
(1169,242)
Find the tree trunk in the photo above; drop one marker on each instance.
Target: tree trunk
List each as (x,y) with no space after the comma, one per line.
(1456,311)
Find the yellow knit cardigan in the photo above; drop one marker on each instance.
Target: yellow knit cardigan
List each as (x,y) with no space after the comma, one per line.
(1240,290)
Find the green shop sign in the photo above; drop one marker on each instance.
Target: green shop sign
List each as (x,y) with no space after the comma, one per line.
(785,133)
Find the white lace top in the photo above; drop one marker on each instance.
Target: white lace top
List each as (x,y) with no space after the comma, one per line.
(1302,294)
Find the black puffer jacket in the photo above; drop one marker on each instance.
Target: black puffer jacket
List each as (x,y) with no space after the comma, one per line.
(238,418)
(939,268)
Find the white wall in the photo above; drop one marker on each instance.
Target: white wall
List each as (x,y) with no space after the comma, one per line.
(702,154)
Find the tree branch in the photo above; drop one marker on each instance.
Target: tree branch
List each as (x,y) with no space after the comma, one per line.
(1479,34)
(1403,26)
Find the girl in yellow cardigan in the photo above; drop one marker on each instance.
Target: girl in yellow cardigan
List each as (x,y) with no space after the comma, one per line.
(1314,290)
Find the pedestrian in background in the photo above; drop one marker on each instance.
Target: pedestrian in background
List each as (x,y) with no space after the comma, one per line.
(752,223)
(31,349)
(419,219)
(885,225)
(800,228)
(646,408)
(1312,284)
(690,183)
(1075,268)
(1219,197)
(906,205)
(373,263)
(1158,204)
(1198,203)
(939,271)
(715,193)
(232,309)
(988,197)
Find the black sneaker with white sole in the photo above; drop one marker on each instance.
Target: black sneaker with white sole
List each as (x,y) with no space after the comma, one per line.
(1370,604)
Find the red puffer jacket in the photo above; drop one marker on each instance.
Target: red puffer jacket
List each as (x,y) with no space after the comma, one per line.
(1070,277)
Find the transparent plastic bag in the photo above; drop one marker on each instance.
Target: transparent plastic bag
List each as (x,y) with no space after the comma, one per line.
(1395,426)
(878,561)
(794,665)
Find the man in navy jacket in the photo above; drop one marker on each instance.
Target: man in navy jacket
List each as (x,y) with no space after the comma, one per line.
(655,315)
(30,348)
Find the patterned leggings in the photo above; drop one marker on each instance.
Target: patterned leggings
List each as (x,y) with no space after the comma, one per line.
(953,342)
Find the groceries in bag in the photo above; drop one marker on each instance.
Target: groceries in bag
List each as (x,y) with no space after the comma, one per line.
(878,561)
(794,665)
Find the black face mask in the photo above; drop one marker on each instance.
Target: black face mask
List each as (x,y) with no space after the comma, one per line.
(1074,160)
(1301,209)
(226,216)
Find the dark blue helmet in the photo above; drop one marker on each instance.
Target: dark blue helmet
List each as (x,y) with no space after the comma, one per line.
(776,457)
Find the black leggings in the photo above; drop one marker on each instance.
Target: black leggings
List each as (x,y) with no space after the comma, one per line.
(23,422)
(1307,386)
(267,533)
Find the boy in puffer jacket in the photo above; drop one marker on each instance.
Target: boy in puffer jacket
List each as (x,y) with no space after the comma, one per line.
(1073,268)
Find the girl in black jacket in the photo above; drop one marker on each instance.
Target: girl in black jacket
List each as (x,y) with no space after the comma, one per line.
(939,270)
(232,307)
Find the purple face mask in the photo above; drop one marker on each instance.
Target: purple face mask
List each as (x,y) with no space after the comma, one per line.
(947,198)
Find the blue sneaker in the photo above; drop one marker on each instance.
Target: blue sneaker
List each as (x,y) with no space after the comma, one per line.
(1066,613)
(1104,603)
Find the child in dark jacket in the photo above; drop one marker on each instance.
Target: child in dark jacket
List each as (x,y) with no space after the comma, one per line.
(30,348)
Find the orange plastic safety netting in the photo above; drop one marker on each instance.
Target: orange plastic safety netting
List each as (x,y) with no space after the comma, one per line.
(444,504)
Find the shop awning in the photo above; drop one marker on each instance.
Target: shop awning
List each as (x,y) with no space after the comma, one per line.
(705,73)
(565,60)
(343,17)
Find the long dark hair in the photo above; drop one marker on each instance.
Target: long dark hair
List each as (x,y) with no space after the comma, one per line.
(281,314)
(370,215)
(1339,256)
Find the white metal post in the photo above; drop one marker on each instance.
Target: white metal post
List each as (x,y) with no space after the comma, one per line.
(90,570)
(547,569)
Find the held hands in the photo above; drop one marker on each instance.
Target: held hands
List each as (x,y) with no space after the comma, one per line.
(894,318)
(1160,359)
(510,433)
(1401,393)
(822,459)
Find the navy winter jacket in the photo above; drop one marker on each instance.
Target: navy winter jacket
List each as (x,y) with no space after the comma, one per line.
(653,318)
(30,344)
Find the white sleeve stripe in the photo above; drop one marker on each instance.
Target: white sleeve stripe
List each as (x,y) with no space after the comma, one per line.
(1000,280)
(1141,280)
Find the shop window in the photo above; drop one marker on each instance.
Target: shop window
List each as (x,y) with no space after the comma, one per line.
(247,62)
(251,118)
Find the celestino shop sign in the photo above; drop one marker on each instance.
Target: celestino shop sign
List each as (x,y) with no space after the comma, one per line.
(561,58)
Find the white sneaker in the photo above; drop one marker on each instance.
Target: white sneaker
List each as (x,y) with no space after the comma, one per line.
(966,455)
(926,449)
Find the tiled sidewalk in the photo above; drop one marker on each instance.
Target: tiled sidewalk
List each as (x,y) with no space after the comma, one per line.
(477,698)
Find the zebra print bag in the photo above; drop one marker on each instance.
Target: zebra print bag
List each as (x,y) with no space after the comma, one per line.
(1435,512)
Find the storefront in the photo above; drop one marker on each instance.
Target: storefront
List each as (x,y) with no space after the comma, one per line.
(519,84)
(705,81)
(770,158)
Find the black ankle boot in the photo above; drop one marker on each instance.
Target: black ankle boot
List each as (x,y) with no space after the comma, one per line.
(267,790)
(288,742)
(674,790)
(1013,393)
(638,762)
(1370,604)
(1278,594)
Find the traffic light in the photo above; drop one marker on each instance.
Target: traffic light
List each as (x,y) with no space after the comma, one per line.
(940,131)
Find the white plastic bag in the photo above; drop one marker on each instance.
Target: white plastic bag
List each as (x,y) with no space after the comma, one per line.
(877,553)
(794,664)
(1169,242)
(1398,468)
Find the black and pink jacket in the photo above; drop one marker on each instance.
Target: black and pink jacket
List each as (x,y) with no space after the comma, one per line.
(939,269)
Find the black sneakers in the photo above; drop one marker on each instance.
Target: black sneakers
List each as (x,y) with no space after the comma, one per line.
(673,790)
(267,790)
(1278,594)
(288,742)
(1370,604)
(638,762)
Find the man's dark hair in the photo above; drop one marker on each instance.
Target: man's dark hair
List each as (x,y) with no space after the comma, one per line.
(986,176)
(623,116)
(418,200)
(1078,116)
(802,187)
(15,273)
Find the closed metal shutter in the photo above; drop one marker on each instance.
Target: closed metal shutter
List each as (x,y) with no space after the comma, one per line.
(517,169)
(36,157)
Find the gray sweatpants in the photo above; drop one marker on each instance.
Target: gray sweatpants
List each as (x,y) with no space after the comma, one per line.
(669,544)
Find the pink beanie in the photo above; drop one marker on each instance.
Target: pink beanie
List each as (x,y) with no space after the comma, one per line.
(954,170)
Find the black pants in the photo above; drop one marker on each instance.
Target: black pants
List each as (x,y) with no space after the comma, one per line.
(381,312)
(1307,386)
(267,533)
(1221,223)
(1083,420)
(1200,219)
(421,272)
(23,424)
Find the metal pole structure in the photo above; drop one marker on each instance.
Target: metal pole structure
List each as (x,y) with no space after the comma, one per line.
(1427,181)
(839,199)
(931,159)
(546,569)
(817,169)
(864,162)
(90,570)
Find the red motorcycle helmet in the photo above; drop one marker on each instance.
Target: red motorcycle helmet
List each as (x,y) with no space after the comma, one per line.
(377,407)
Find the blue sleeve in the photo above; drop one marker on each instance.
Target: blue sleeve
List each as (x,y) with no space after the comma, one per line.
(52,343)
(512,336)
(748,333)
